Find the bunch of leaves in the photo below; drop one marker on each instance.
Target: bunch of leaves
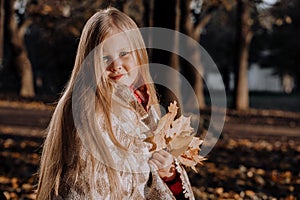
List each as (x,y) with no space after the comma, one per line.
(177,137)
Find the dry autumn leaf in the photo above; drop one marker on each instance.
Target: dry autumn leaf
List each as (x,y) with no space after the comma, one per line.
(166,121)
(180,127)
(176,136)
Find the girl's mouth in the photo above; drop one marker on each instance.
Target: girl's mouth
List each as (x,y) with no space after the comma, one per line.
(116,78)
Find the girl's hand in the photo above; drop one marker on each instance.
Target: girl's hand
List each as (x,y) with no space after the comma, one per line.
(163,162)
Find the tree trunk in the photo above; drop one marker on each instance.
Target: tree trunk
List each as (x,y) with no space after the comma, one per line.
(2,14)
(194,32)
(164,13)
(244,37)
(148,14)
(20,56)
(175,64)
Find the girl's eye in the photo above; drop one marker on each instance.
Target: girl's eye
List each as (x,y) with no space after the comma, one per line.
(106,59)
(123,53)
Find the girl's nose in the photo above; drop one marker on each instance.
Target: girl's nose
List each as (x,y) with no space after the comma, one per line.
(116,68)
(117,65)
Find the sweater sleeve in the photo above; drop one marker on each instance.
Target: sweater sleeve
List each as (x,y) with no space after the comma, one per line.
(175,185)
(156,188)
(180,186)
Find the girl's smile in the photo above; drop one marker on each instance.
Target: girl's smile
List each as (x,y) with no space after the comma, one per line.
(116,77)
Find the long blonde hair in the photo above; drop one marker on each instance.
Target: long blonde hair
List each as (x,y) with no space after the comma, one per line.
(62,144)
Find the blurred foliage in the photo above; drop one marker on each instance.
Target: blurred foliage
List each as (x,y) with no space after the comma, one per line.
(56,26)
(279,46)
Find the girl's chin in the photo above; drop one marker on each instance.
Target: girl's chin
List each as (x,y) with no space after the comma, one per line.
(124,81)
(121,82)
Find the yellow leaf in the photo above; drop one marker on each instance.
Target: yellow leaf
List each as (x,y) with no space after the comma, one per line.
(177,136)
(195,143)
(187,162)
(199,159)
(179,145)
(194,168)
(166,121)
(158,142)
(180,126)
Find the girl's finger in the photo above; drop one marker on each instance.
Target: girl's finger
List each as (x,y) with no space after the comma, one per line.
(158,156)
(158,165)
(165,154)
(165,157)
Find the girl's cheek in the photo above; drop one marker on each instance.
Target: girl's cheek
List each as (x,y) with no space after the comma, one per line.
(106,74)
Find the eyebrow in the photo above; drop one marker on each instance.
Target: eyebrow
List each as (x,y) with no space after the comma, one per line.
(125,48)
(121,49)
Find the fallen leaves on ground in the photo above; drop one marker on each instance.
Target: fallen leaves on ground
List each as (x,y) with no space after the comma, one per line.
(240,168)
(236,169)
(19,163)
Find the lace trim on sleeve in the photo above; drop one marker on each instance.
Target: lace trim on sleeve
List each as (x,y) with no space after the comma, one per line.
(187,189)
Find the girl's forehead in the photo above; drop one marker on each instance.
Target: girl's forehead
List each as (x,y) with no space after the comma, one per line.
(115,41)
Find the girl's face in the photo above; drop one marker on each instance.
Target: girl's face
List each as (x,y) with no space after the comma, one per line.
(121,66)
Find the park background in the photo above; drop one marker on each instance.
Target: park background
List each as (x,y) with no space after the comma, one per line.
(254,43)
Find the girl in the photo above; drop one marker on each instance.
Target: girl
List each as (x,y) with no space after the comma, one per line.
(95,146)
